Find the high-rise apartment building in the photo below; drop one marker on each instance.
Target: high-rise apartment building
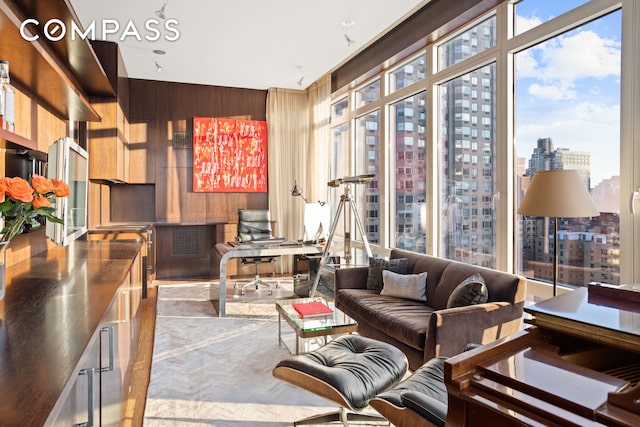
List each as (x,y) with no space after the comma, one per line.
(588,248)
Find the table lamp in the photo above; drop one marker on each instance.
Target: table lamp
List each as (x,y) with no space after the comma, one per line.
(557,194)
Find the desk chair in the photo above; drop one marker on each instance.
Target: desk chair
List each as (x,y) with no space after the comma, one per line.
(255,225)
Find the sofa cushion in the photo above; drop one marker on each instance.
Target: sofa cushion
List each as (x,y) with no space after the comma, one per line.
(409,286)
(376,265)
(419,263)
(402,319)
(471,291)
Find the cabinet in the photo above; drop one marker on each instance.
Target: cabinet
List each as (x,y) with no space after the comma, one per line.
(61,75)
(109,138)
(98,392)
(81,403)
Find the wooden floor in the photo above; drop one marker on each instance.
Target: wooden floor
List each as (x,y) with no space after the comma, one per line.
(134,414)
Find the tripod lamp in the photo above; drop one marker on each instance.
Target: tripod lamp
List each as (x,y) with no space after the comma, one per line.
(557,194)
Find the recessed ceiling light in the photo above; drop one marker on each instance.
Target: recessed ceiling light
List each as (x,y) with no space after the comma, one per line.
(159,51)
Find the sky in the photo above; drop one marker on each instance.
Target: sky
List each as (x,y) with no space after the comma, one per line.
(568,88)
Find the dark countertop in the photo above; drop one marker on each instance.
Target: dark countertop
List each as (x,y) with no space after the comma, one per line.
(53,305)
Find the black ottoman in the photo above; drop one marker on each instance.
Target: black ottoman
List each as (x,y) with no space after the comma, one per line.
(419,400)
(350,371)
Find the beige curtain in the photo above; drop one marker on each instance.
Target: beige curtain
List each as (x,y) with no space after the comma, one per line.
(288,142)
(319,160)
(298,143)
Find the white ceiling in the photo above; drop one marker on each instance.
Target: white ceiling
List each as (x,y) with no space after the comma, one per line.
(254,44)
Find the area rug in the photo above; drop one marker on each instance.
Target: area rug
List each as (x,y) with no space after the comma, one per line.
(210,371)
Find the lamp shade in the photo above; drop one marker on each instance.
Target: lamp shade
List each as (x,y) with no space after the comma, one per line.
(557,193)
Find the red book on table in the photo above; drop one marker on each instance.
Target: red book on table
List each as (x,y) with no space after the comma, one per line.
(312,309)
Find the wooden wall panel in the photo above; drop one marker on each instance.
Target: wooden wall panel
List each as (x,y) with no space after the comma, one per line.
(160,111)
(160,123)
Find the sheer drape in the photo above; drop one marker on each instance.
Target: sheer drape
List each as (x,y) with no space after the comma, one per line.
(288,142)
(319,164)
(298,141)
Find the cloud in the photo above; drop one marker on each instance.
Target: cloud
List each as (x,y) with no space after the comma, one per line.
(598,113)
(556,91)
(559,63)
(524,24)
(583,54)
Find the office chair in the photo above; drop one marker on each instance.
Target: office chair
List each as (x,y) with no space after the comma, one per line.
(255,225)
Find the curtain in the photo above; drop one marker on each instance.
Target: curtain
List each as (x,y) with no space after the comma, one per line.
(288,142)
(319,165)
(298,152)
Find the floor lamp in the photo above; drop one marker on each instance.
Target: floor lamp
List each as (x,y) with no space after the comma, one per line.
(557,194)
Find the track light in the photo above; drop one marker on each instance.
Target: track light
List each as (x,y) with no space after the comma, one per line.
(346,26)
(299,82)
(158,66)
(161,13)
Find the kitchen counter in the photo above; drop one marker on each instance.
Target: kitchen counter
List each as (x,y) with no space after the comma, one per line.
(132,230)
(53,305)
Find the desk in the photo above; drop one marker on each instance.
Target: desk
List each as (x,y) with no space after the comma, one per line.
(248,250)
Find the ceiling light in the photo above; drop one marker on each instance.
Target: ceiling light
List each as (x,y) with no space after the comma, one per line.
(346,26)
(158,66)
(161,13)
(159,52)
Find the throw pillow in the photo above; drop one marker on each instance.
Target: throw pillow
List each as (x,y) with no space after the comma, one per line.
(376,265)
(471,291)
(408,286)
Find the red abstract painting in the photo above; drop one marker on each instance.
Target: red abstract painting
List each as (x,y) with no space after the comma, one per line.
(229,155)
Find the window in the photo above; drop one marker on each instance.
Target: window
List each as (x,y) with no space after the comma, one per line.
(530,14)
(410,221)
(368,162)
(458,48)
(573,103)
(407,74)
(565,91)
(456,188)
(340,108)
(368,94)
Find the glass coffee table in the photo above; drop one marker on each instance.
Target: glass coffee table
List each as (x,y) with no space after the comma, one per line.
(308,330)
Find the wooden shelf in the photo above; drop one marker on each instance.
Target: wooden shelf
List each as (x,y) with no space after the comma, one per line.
(17,139)
(62,75)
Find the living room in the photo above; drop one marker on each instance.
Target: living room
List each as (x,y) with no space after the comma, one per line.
(452,110)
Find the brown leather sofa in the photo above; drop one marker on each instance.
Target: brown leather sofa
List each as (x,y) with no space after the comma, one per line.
(424,330)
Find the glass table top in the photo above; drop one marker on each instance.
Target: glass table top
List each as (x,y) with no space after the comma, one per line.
(331,321)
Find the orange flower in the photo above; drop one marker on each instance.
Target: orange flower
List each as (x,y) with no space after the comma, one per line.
(3,189)
(60,188)
(41,202)
(19,189)
(41,184)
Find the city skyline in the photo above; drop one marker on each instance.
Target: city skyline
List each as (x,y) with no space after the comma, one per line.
(569,92)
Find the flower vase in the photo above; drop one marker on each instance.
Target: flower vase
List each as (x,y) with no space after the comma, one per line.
(3,268)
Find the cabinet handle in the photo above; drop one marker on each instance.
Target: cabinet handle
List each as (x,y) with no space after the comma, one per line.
(90,403)
(110,330)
